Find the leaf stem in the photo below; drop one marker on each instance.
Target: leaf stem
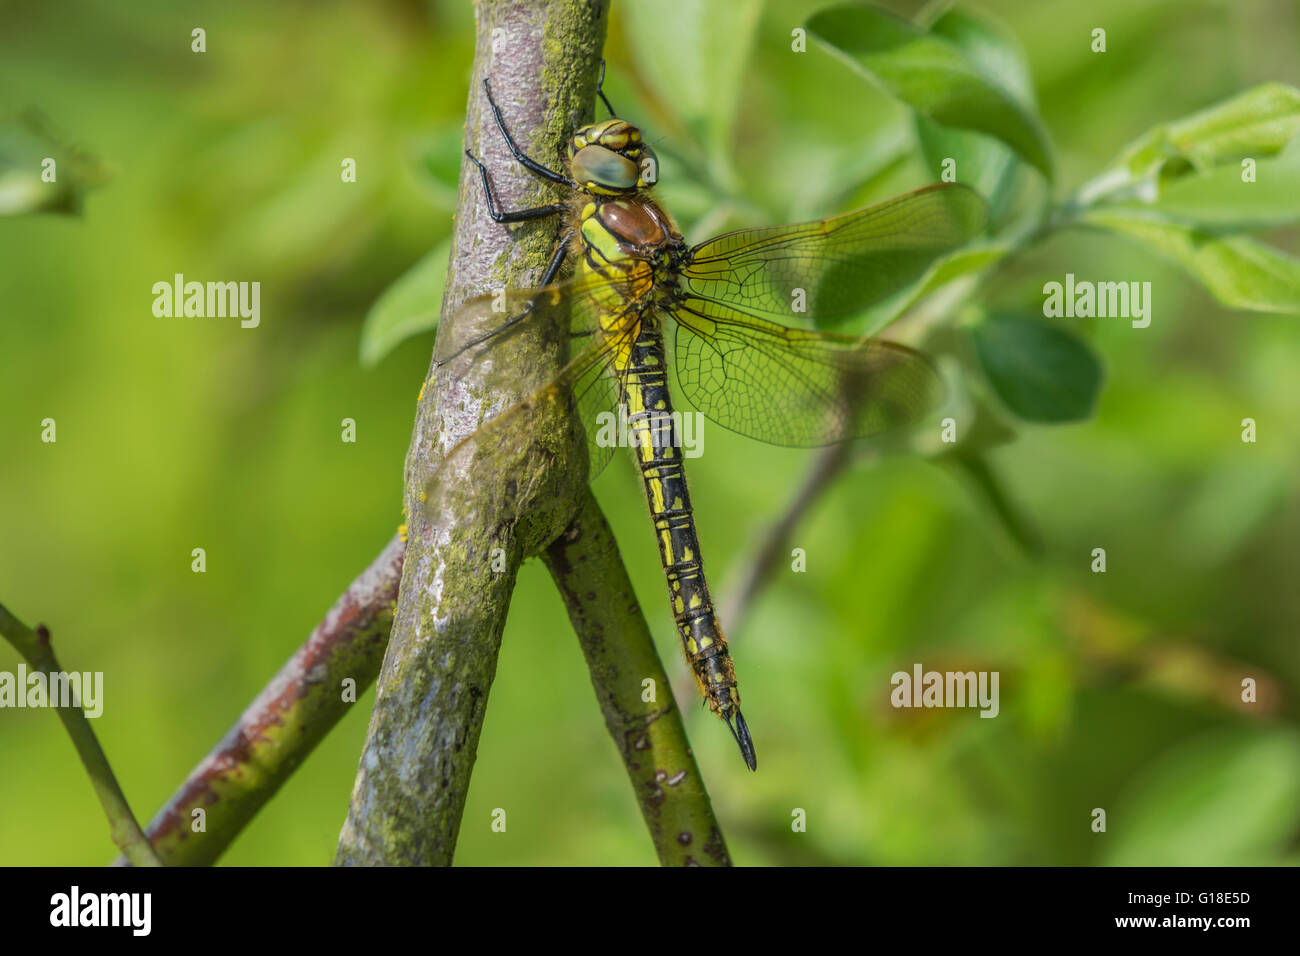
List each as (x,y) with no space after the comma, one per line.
(37,650)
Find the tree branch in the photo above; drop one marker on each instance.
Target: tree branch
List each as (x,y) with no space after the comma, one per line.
(505,501)
(774,543)
(587,568)
(280,729)
(35,647)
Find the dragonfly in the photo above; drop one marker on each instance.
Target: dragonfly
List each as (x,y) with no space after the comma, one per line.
(725,305)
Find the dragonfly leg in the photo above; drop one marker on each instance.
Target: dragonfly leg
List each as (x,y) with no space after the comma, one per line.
(518,215)
(513,320)
(527,161)
(600,91)
(557,259)
(552,270)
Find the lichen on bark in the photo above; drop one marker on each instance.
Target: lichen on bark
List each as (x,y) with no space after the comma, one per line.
(470,529)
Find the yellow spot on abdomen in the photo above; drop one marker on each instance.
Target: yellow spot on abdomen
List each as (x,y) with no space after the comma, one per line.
(666,540)
(656,495)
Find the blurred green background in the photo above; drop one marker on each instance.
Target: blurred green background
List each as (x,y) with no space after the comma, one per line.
(1118,690)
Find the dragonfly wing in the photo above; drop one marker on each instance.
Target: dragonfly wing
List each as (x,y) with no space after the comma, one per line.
(795,387)
(528,434)
(596,385)
(489,326)
(835,267)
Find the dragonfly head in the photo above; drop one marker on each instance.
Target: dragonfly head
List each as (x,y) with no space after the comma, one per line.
(609,159)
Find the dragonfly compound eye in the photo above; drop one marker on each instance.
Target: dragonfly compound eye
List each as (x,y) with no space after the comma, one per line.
(603,170)
(647,167)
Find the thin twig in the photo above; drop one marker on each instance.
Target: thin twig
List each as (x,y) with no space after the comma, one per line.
(1019,526)
(621,657)
(35,647)
(771,552)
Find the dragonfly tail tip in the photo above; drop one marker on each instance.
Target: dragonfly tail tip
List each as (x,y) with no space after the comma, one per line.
(740,730)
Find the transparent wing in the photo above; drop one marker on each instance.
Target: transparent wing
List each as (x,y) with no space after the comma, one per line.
(835,267)
(496,326)
(795,387)
(496,333)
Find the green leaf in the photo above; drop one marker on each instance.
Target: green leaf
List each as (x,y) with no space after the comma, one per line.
(1041,372)
(962,262)
(933,76)
(408,307)
(991,48)
(26,145)
(1227,799)
(1220,200)
(982,162)
(1258,122)
(1237,270)
(859,175)
(694,53)
(1255,124)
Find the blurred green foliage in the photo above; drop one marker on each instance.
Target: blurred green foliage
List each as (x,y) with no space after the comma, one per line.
(1119,690)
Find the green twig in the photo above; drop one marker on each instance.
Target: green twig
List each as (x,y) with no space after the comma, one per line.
(587,568)
(772,550)
(977,470)
(35,647)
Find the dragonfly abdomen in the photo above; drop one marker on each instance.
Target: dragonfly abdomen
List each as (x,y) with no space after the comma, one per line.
(656,440)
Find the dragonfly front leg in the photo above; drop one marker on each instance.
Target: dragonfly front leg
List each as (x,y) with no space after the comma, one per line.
(520,156)
(518,215)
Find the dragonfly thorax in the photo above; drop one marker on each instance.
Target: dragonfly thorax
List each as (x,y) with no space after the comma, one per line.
(609,159)
(623,234)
